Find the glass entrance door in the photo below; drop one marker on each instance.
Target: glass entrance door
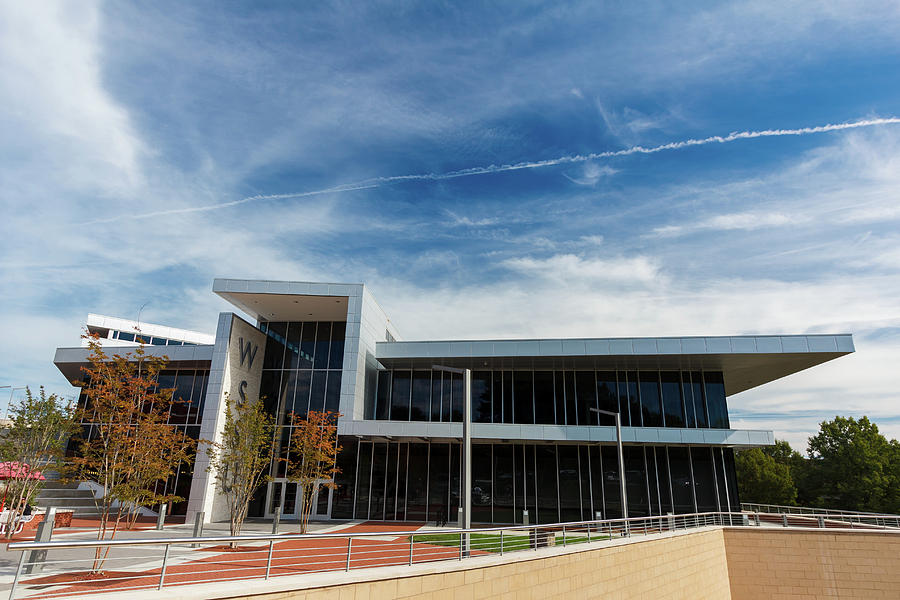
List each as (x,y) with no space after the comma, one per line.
(284,496)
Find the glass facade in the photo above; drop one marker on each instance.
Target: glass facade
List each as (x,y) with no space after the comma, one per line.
(301,372)
(644,398)
(419,481)
(185,414)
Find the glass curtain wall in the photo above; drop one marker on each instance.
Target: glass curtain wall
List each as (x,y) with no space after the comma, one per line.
(185,414)
(553,482)
(691,399)
(301,372)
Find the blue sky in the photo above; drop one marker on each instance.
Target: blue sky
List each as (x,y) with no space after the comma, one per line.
(148,149)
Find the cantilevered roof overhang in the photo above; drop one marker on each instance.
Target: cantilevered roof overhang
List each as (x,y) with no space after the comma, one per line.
(289,300)
(747,361)
(70,360)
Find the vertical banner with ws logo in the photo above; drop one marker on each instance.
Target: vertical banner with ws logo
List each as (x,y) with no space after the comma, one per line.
(246,352)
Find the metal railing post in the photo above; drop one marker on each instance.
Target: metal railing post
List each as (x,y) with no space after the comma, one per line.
(349,544)
(460,545)
(12,590)
(411,548)
(162,571)
(501,542)
(589,533)
(821,520)
(564,536)
(784,521)
(269,559)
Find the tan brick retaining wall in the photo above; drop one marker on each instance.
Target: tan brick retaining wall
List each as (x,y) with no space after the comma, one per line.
(782,564)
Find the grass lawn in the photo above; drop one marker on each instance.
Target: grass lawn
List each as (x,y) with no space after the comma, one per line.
(490,542)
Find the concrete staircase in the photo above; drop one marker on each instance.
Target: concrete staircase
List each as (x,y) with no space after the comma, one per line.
(68,496)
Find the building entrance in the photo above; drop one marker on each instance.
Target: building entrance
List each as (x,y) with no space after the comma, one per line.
(283,495)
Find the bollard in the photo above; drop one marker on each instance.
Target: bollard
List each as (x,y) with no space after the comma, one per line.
(161,518)
(276,522)
(525,519)
(198,527)
(44,532)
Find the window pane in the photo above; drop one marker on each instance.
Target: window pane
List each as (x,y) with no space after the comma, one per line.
(503,484)
(379,468)
(307,345)
(292,346)
(455,474)
(597,482)
(336,361)
(715,400)
(457,398)
(704,480)
(481,397)
(482,484)
(446,393)
(275,345)
(417,483)
(497,392)
(400,391)
(662,473)
(650,402)
(682,487)
(363,478)
(652,482)
(333,391)
(323,341)
(438,485)
(607,397)
(671,393)
(301,393)
(612,489)
(585,471)
(342,502)
(401,481)
(636,481)
(548,502)
(390,494)
(586,391)
(543,397)
(559,390)
(507,397)
(699,400)
(436,399)
(571,400)
(524,397)
(631,397)
(317,391)
(382,409)
(420,408)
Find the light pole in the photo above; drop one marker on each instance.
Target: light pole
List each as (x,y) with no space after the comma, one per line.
(621,457)
(12,390)
(465,499)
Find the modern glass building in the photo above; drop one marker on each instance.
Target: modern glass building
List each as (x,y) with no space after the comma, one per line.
(537,445)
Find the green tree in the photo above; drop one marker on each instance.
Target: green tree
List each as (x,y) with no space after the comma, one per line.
(239,461)
(764,479)
(34,441)
(853,466)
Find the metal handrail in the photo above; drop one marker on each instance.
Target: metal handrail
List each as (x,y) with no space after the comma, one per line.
(399,551)
(281,537)
(755,506)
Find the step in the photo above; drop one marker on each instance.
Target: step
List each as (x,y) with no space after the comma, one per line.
(65,493)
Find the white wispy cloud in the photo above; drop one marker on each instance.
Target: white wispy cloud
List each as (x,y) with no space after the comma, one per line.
(520,166)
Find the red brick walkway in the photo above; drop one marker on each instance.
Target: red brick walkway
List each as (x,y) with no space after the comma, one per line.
(296,555)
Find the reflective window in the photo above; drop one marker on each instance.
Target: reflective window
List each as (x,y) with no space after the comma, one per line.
(420,408)
(523,390)
(543,398)
(481,397)
(650,400)
(586,396)
(400,395)
(671,394)
(607,397)
(715,400)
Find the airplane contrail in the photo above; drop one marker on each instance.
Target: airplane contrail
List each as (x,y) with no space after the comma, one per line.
(376,182)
